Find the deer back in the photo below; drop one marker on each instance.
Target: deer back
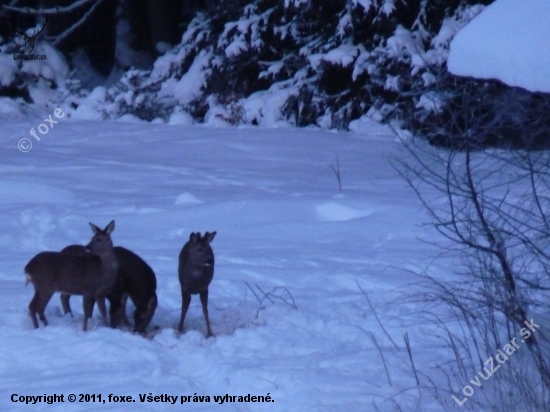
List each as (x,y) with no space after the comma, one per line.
(72,274)
(76,271)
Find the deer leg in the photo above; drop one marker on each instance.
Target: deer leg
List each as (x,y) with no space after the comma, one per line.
(114,309)
(123,318)
(65,304)
(32,308)
(143,315)
(42,307)
(185,301)
(117,309)
(41,302)
(88,306)
(100,300)
(204,302)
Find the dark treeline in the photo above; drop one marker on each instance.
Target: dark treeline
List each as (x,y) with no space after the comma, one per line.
(332,61)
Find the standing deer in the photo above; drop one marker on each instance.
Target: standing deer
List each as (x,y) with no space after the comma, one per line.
(135,279)
(92,275)
(196,270)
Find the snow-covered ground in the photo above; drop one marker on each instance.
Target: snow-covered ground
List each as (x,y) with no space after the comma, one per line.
(283,227)
(507,41)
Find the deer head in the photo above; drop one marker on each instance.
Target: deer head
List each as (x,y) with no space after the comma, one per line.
(32,38)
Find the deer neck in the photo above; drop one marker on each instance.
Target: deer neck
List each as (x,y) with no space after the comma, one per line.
(109,260)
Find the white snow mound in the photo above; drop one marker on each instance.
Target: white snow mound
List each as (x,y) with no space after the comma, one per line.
(507,41)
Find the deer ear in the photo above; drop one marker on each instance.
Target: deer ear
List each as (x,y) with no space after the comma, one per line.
(110,227)
(193,237)
(95,229)
(210,236)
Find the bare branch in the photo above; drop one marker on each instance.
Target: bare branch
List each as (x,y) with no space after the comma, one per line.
(51,10)
(76,25)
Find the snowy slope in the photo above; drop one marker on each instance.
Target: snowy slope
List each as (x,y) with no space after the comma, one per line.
(282,226)
(507,41)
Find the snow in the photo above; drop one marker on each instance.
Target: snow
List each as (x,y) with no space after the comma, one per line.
(295,3)
(235,48)
(243,34)
(8,67)
(343,55)
(336,212)
(430,101)
(90,106)
(10,106)
(388,7)
(264,106)
(53,68)
(187,198)
(283,229)
(365,3)
(180,117)
(406,43)
(189,86)
(273,69)
(507,41)
(46,79)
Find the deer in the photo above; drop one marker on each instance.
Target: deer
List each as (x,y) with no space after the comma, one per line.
(135,279)
(29,40)
(195,272)
(92,275)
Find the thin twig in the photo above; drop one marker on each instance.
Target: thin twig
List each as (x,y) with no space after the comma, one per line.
(408,345)
(336,171)
(375,342)
(376,316)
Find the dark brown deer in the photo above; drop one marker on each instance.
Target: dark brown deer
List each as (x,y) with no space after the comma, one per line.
(92,275)
(29,40)
(196,270)
(135,279)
